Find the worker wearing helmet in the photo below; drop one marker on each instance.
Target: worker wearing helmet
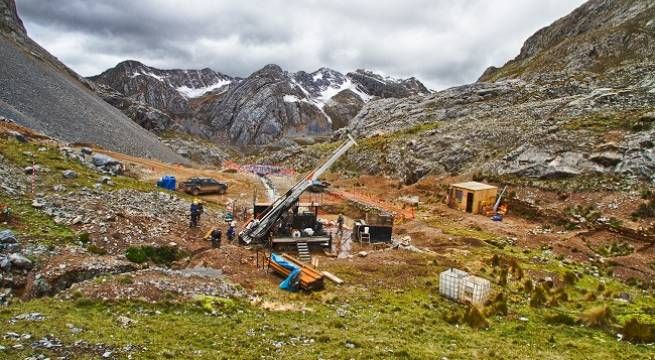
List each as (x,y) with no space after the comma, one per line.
(195,210)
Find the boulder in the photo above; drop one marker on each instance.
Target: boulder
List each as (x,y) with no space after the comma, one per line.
(69,174)
(29,170)
(607,158)
(5,263)
(7,237)
(18,136)
(102,160)
(19,261)
(107,164)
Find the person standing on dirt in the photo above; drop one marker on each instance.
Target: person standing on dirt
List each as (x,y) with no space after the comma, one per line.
(195,210)
(215,237)
(231,231)
(340,221)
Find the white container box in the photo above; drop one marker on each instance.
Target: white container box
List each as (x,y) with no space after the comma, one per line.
(460,286)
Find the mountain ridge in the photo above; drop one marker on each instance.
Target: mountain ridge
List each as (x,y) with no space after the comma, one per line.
(304,106)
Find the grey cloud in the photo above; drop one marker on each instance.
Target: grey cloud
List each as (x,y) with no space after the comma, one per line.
(441,42)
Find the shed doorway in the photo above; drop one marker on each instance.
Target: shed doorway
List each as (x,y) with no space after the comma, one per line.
(469,202)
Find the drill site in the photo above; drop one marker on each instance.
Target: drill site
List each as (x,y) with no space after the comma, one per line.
(299,248)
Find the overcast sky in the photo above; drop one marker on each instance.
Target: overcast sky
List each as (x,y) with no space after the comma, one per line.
(441,42)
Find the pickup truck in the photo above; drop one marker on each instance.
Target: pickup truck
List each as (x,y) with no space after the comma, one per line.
(199,185)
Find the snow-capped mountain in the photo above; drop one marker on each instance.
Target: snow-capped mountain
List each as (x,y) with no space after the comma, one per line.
(166,90)
(266,106)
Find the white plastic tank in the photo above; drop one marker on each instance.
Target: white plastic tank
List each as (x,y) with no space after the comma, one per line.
(460,286)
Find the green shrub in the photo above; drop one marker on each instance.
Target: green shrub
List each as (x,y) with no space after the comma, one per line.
(94,249)
(502,280)
(570,277)
(164,255)
(125,280)
(136,254)
(475,319)
(600,288)
(599,316)
(84,238)
(497,306)
(616,249)
(637,332)
(528,286)
(645,211)
(560,319)
(538,298)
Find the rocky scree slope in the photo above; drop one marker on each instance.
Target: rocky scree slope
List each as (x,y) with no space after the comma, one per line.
(265,107)
(38,91)
(545,123)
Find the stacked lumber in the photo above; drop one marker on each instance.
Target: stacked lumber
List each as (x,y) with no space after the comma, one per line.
(309,278)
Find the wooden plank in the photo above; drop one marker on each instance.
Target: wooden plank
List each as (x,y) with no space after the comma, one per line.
(332,277)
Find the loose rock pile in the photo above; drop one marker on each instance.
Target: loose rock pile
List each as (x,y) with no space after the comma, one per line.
(118,219)
(60,272)
(99,162)
(156,283)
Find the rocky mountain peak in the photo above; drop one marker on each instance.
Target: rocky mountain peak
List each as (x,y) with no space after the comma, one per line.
(270,68)
(387,87)
(9,20)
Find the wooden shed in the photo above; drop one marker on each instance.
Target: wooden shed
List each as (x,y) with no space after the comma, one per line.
(471,196)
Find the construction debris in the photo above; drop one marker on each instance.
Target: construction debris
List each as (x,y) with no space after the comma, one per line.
(404,243)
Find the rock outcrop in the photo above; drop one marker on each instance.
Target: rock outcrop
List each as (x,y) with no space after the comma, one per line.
(10,23)
(343,107)
(597,36)
(266,106)
(377,85)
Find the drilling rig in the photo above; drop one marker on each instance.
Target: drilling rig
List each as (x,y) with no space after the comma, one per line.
(259,229)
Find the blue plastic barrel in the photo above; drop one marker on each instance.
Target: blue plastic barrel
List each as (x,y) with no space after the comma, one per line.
(167,182)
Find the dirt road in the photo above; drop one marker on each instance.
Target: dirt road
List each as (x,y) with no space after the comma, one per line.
(240,186)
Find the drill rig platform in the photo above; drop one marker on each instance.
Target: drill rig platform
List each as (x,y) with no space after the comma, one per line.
(277,218)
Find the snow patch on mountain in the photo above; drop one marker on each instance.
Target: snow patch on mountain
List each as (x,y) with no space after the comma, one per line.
(148,73)
(290,98)
(331,91)
(190,92)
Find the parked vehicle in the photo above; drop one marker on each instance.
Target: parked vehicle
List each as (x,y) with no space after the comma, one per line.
(197,185)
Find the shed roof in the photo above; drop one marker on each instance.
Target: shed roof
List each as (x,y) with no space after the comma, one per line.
(474,186)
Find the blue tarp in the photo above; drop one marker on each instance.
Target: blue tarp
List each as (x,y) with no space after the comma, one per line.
(289,283)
